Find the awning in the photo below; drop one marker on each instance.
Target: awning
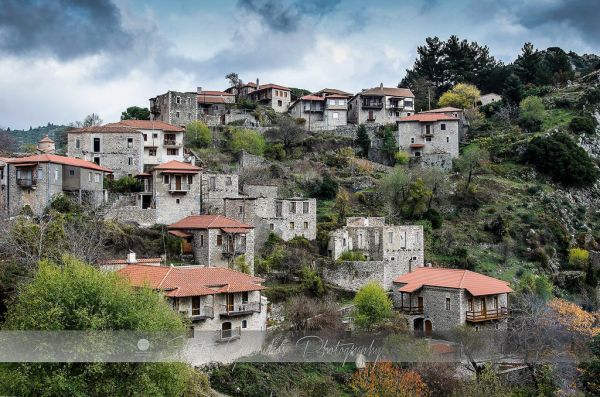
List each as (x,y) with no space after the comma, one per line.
(180,234)
(179,172)
(143,175)
(25,164)
(417,145)
(238,230)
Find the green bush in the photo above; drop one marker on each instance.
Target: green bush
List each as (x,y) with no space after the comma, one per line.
(326,189)
(531,113)
(401,158)
(354,255)
(583,125)
(312,282)
(197,134)
(372,305)
(275,151)
(592,96)
(126,184)
(244,139)
(559,157)
(433,216)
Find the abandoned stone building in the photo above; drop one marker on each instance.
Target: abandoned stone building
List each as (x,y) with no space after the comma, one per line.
(430,138)
(438,299)
(34,181)
(463,123)
(215,188)
(162,142)
(275,96)
(216,241)
(389,250)
(260,207)
(225,307)
(320,112)
(381,105)
(486,99)
(176,108)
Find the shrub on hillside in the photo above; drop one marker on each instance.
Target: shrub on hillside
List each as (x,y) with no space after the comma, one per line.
(248,140)
(126,184)
(197,134)
(579,258)
(372,305)
(325,189)
(275,151)
(559,157)
(591,96)
(583,125)
(433,216)
(531,113)
(352,256)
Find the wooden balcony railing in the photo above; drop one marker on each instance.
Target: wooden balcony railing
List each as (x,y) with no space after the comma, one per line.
(179,187)
(487,315)
(202,313)
(225,335)
(240,309)
(171,142)
(410,309)
(372,105)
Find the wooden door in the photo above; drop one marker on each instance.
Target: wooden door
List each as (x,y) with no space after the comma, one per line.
(420,303)
(428,328)
(483,307)
(178,182)
(229,302)
(371,115)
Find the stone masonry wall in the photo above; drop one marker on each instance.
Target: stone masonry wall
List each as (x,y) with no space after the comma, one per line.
(352,276)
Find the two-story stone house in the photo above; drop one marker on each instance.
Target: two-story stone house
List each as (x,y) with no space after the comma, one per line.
(162,142)
(442,299)
(33,181)
(222,304)
(261,208)
(217,241)
(381,105)
(276,96)
(320,112)
(425,134)
(389,250)
(174,107)
(214,103)
(463,123)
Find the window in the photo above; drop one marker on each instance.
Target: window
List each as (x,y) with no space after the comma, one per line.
(195,305)
(271,226)
(71,172)
(495,302)
(305,207)
(77,143)
(189,101)
(471,306)
(228,181)
(443,126)
(129,142)
(89,176)
(145,137)
(155,136)
(477,328)
(335,115)
(428,139)
(390,237)
(166,179)
(172,152)
(212,183)
(177,201)
(285,94)
(293,207)
(241,209)
(201,240)
(130,160)
(190,179)
(412,140)
(279,103)
(447,303)
(152,151)
(291,225)
(177,114)
(55,174)
(40,172)
(447,139)
(178,101)
(306,225)
(496,326)
(97,178)
(244,323)
(96,145)
(97,160)
(219,240)
(245,297)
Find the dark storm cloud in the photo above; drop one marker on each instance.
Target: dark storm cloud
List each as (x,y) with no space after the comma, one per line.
(581,15)
(283,16)
(66,29)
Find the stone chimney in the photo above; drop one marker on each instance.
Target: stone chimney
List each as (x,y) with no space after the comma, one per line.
(46,146)
(257,84)
(131,258)
(380,85)
(198,90)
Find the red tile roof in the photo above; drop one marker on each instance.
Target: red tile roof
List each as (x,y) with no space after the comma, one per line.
(268,86)
(175,166)
(114,128)
(124,261)
(330,92)
(388,91)
(191,280)
(180,234)
(447,109)
(148,125)
(477,284)
(428,117)
(215,93)
(312,98)
(209,222)
(210,99)
(56,159)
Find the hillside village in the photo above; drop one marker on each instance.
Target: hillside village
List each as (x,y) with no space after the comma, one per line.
(262,207)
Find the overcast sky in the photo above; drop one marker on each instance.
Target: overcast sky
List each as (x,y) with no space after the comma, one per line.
(63,59)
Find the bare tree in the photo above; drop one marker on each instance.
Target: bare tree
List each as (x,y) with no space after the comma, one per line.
(92,120)
(304,313)
(8,144)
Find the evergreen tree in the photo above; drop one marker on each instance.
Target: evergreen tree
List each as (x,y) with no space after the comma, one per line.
(513,89)
(362,140)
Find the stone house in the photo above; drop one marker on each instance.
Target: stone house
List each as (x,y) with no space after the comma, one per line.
(463,123)
(217,241)
(438,299)
(486,99)
(244,90)
(117,147)
(390,250)
(275,96)
(223,305)
(424,134)
(3,187)
(162,142)
(214,103)
(381,105)
(33,181)
(174,107)
(215,188)
(261,208)
(320,112)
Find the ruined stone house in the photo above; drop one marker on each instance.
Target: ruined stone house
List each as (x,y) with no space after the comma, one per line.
(216,241)
(174,107)
(381,105)
(439,299)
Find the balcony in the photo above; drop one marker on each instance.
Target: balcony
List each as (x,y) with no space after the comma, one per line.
(155,109)
(26,182)
(314,110)
(486,315)
(226,335)
(171,143)
(410,310)
(240,309)
(202,313)
(372,105)
(175,187)
(396,105)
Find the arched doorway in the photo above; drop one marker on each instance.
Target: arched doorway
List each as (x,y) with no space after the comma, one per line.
(428,328)
(418,326)
(226,330)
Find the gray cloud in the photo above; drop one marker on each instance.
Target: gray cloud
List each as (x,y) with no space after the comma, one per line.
(65,29)
(285,17)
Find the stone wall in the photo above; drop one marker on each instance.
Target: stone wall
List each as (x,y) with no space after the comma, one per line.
(261,191)
(353,275)
(436,137)
(250,160)
(207,252)
(436,160)
(143,217)
(595,259)
(171,206)
(216,187)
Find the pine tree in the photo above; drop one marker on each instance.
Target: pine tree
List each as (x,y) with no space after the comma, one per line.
(362,140)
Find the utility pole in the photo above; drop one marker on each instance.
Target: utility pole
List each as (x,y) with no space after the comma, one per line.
(429,97)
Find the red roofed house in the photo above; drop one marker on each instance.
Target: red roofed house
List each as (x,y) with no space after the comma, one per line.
(276,96)
(217,241)
(223,301)
(33,181)
(430,135)
(463,123)
(381,105)
(323,111)
(442,299)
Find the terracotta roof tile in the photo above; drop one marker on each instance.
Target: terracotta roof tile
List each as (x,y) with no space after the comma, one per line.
(148,125)
(312,98)
(428,117)
(447,109)
(215,93)
(175,165)
(114,128)
(124,261)
(268,86)
(191,280)
(208,222)
(388,91)
(56,159)
(477,284)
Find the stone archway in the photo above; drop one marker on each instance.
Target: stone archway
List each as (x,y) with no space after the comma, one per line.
(418,326)
(428,328)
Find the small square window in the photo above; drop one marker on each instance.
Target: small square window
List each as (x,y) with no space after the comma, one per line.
(241,209)
(176,201)
(428,139)
(305,207)
(447,139)
(412,140)
(145,137)
(77,143)
(228,181)
(219,239)
(152,152)
(130,161)
(292,225)
(447,303)
(154,136)
(71,172)
(177,114)
(244,323)
(129,142)
(306,225)
(178,101)
(443,126)
(272,226)
(279,103)
(166,179)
